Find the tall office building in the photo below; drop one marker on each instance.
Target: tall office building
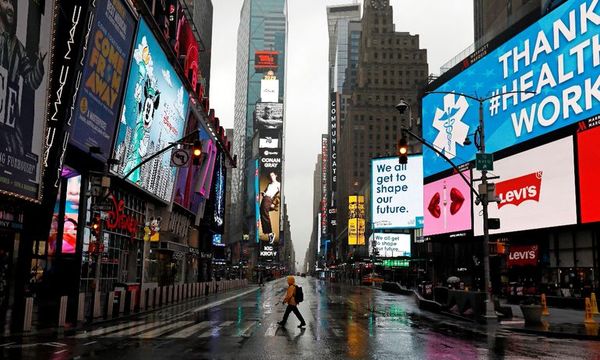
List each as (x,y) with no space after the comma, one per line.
(391,67)
(202,12)
(492,17)
(260,64)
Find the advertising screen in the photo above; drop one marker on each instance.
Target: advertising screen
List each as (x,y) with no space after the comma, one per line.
(555,59)
(522,255)
(269,195)
(390,245)
(356,220)
(588,153)
(186,46)
(397,193)
(535,190)
(103,80)
(269,116)
(154,113)
(24,66)
(67,207)
(269,90)
(447,205)
(218,196)
(265,60)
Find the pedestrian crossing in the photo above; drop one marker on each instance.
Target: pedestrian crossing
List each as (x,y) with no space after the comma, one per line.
(178,328)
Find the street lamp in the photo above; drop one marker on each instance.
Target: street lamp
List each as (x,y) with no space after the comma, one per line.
(481,196)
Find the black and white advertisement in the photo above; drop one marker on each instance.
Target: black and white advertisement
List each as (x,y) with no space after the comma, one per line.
(269,188)
(25,53)
(269,116)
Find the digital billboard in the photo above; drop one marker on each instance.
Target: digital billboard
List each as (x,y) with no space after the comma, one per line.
(447,205)
(397,193)
(269,116)
(588,156)
(265,60)
(25,53)
(356,220)
(103,79)
(154,112)
(390,245)
(555,59)
(187,47)
(269,194)
(269,90)
(535,190)
(324,183)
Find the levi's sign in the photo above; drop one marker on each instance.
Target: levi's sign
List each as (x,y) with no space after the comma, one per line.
(520,189)
(522,255)
(554,63)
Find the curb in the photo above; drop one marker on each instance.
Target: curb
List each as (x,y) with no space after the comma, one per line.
(552,334)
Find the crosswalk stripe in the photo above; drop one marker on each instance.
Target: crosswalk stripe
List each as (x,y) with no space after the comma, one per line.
(190,330)
(246,330)
(337,332)
(215,330)
(138,329)
(271,330)
(106,330)
(163,329)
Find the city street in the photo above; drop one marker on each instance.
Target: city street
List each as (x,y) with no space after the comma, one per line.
(344,321)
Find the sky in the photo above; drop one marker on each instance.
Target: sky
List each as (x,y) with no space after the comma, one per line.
(445,29)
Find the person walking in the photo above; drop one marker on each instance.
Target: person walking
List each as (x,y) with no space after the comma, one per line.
(292,306)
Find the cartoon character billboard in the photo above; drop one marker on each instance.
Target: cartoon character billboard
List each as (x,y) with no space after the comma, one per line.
(153,115)
(25,53)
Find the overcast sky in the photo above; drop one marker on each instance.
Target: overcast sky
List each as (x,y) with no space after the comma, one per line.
(445,28)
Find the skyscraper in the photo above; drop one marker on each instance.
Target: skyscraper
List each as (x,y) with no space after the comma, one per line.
(260,55)
(391,67)
(492,17)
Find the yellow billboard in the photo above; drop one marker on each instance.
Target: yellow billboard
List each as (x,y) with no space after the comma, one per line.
(356,220)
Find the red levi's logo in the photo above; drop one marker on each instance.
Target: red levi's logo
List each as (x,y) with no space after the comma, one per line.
(521,255)
(519,189)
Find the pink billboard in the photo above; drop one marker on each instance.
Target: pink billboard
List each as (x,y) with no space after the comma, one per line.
(447,205)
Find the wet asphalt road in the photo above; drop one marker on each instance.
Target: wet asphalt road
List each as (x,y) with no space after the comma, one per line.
(344,322)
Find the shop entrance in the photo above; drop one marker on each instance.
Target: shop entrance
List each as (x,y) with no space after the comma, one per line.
(6,267)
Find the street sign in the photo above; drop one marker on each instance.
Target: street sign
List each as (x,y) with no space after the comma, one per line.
(180,158)
(102,207)
(484,162)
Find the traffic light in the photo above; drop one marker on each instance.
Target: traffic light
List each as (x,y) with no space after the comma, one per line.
(196,152)
(403,151)
(96,226)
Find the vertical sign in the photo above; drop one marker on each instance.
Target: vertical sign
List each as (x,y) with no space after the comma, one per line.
(356,220)
(333,135)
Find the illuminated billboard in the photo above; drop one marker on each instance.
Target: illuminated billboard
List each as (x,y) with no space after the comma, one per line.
(588,156)
(269,195)
(265,60)
(103,79)
(269,90)
(390,245)
(535,190)
(269,116)
(555,59)
(356,220)
(153,116)
(447,205)
(26,51)
(397,193)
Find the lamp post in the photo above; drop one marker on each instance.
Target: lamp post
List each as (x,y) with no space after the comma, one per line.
(481,196)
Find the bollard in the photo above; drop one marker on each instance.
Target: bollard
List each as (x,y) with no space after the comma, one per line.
(151,298)
(28,314)
(169,293)
(81,308)
(132,297)
(97,307)
(122,296)
(62,311)
(545,311)
(163,295)
(143,296)
(589,318)
(594,305)
(111,304)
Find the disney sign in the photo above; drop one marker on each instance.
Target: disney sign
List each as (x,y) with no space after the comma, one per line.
(118,220)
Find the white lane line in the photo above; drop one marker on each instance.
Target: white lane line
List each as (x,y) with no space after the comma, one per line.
(272,330)
(187,332)
(6,344)
(138,329)
(90,343)
(215,331)
(164,329)
(105,330)
(223,301)
(246,330)
(60,351)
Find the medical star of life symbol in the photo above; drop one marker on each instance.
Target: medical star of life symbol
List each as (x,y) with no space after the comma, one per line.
(448,122)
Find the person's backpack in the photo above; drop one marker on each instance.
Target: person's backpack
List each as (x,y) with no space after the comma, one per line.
(299,295)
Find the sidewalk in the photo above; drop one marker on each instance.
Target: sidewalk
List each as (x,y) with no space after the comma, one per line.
(561,323)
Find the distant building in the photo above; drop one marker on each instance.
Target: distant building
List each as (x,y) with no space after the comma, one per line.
(492,17)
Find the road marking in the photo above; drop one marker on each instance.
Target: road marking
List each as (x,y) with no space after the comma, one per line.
(272,330)
(54,344)
(246,331)
(337,332)
(60,351)
(190,330)
(137,330)
(163,329)
(223,301)
(105,330)
(90,343)
(215,331)
(10,343)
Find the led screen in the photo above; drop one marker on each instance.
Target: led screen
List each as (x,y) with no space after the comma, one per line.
(447,205)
